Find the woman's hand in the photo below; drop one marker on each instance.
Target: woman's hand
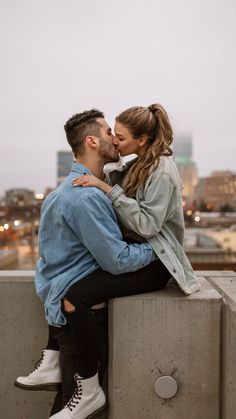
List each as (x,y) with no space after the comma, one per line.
(90,180)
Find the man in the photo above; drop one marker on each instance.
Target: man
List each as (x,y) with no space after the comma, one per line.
(78,235)
(54,368)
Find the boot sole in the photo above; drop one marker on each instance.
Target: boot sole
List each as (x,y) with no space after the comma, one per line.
(46,387)
(97,412)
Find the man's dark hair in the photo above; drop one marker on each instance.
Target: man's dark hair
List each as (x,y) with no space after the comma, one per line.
(79,126)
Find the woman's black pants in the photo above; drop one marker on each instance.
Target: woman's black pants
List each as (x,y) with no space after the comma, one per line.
(96,288)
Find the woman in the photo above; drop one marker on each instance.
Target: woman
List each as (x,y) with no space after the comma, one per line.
(149,204)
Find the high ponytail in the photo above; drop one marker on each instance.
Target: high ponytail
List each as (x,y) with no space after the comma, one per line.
(153,122)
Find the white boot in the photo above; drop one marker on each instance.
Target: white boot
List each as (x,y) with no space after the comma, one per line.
(47,373)
(87,400)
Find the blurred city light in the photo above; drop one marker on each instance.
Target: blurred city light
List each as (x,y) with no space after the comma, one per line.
(39,195)
(6,226)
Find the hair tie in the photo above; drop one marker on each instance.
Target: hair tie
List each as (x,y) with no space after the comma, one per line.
(152,109)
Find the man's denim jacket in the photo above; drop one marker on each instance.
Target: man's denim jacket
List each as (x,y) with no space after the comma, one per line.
(78,234)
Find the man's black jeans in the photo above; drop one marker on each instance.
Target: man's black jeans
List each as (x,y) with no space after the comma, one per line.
(96,288)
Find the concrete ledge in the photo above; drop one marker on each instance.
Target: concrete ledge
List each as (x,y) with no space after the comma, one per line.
(151,335)
(227,287)
(23,335)
(165,334)
(221,274)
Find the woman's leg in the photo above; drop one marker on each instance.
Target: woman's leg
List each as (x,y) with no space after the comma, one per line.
(98,287)
(101,319)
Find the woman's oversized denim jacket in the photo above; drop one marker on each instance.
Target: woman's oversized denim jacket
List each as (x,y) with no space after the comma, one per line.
(157,215)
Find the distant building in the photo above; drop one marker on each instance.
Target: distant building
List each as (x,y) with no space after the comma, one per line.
(217,192)
(19,197)
(64,163)
(182,147)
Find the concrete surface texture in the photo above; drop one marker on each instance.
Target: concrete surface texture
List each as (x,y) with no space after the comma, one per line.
(23,335)
(227,287)
(190,340)
(165,334)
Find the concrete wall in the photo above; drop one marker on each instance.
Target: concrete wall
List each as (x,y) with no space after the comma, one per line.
(152,335)
(227,287)
(23,335)
(165,334)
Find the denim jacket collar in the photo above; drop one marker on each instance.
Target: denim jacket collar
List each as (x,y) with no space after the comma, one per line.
(80,168)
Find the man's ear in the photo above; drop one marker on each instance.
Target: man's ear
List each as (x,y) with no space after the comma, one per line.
(91,141)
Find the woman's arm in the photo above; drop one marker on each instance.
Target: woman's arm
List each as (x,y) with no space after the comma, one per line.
(90,180)
(146,217)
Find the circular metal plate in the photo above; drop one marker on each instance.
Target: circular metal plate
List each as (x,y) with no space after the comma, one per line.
(166,387)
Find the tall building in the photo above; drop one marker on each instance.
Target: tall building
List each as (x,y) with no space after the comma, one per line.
(182,147)
(217,192)
(64,163)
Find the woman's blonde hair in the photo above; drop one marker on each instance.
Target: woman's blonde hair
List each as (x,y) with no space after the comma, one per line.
(153,122)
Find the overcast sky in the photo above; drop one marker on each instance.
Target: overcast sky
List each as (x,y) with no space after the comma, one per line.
(59,57)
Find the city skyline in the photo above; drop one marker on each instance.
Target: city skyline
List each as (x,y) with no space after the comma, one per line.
(59,176)
(58,60)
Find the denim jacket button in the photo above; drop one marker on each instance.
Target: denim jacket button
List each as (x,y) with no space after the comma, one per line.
(162,251)
(174,270)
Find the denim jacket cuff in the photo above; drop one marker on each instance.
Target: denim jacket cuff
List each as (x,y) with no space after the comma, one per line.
(115,193)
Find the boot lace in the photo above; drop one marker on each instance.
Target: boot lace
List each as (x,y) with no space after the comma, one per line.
(75,399)
(39,362)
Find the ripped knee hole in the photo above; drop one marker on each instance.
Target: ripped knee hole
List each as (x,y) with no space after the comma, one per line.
(68,307)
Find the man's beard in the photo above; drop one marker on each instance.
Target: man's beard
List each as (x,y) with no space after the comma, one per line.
(106,154)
